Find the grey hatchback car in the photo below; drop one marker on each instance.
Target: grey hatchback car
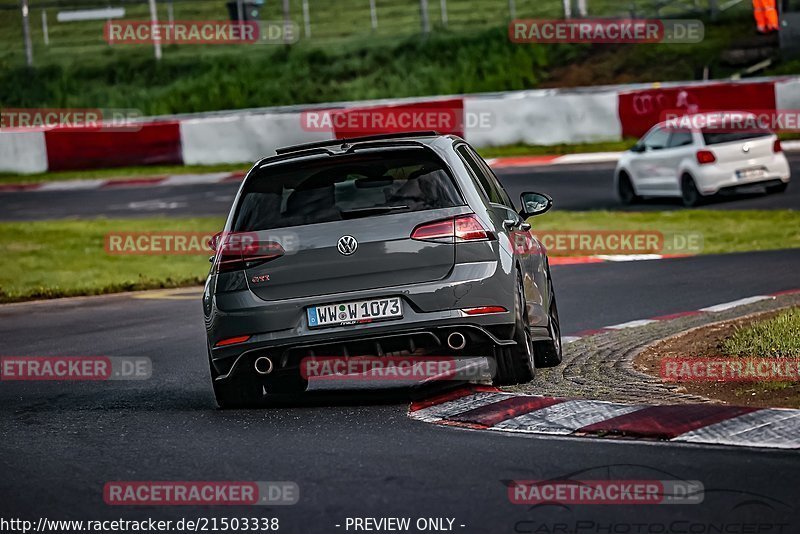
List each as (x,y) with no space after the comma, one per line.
(401,244)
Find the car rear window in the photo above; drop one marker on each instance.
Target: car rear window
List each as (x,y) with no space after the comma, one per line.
(352,186)
(717,138)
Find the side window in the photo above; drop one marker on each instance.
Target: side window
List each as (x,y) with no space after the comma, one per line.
(488,188)
(657,139)
(680,138)
(487,171)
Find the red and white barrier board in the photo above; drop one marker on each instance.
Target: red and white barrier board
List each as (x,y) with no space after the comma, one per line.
(539,117)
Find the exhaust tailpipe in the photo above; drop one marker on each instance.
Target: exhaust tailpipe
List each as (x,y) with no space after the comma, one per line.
(456,341)
(263,365)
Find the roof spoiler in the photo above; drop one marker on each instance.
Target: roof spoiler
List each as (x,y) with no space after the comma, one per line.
(351,140)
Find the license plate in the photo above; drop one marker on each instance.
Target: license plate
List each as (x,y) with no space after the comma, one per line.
(358,312)
(748,174)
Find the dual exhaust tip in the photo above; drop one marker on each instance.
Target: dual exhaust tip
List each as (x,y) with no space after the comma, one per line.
(455,341)
(263,365)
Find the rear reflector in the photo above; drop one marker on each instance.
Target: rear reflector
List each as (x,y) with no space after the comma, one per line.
(232,341)
(461,228)
(704,157)
(483,310)
(777,147)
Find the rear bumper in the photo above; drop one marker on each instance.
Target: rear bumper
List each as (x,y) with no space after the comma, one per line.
(431,310)
(711,180)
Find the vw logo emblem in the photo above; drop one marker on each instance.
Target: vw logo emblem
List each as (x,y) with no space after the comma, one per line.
(746,148)
(347,245)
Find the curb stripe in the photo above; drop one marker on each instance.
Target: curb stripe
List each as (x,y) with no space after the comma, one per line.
(448,409)
(566,417)
(666,422)
(509,408)
(716,424)
(770,427)
(452,395)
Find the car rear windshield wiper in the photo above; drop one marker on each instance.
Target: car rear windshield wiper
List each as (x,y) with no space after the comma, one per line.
(366,212)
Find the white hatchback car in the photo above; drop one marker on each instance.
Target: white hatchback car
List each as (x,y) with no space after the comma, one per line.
(696,163)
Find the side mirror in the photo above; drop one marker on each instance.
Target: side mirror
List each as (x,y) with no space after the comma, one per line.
(534,204)
(638,148)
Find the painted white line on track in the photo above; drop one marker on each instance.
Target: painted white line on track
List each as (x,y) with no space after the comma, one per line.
(631,324)
(735,303)
(191,179)
(630,257)
(71,185)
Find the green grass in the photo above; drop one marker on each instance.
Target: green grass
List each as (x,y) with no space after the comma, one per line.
(336,23)
(555,150)
(66,258)
(119,173)
(464,59)
(778,337)
(721,231)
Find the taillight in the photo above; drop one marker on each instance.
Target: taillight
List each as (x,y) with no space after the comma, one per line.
(776,146)
(704,157)
(434,231)
(461,228)
(237,253)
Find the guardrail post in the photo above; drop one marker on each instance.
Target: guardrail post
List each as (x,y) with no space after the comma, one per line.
(373,15)
(423,11)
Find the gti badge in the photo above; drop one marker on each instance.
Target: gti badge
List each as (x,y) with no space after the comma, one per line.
(347,245)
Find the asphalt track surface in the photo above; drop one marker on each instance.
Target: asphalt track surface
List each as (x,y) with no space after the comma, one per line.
(356,454)
(574,187)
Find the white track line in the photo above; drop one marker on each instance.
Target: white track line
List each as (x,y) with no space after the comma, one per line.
(735,303)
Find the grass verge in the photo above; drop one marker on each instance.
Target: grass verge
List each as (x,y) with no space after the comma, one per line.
(68,258)
(778,337)
(721,231)
(50,259)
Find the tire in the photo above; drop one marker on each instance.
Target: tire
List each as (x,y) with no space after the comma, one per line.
(515,363)
(237,391)
(549,353)
(779,188)
(689,194)
(625,191)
